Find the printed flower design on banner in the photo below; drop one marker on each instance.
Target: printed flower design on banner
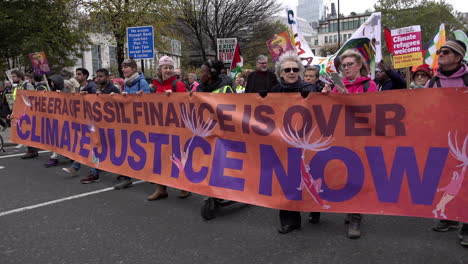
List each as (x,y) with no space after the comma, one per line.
(199,128)
(451,190)
(94,157)
(27,103)
(313,187)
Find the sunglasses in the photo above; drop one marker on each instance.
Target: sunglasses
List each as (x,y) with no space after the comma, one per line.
(291,69)
(445,52)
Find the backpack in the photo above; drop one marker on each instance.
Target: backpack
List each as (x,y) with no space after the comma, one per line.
(366,85)
(436,80)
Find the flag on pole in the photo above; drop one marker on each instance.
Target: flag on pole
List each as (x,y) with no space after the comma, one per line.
(297,39)
(434,45)
(388,40)
(460,35)
(237,62)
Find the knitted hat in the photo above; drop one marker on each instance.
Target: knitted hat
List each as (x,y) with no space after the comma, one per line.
(456,46)
(166,60)
(130,63)
(424,68)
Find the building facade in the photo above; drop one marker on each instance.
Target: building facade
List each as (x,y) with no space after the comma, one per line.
(311,10)
(328,29)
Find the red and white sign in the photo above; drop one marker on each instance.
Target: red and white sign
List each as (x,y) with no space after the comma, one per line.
(407,47)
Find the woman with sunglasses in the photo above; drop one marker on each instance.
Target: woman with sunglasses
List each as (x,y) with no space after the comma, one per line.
(289,72)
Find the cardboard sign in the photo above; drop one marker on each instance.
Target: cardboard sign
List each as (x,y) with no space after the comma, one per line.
(39,63)
(226,49)
(407,47)
(279,44)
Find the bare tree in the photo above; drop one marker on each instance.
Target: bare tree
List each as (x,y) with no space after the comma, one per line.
(116,15)
(213,19)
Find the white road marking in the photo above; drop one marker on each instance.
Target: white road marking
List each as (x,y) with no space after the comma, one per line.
(1,167)
(26,208)
(20,154)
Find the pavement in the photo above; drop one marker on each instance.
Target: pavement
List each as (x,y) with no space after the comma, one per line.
(47,216)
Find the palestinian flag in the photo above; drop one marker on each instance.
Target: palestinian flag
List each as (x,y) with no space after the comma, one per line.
(388,40)
(430,58)
(237,62)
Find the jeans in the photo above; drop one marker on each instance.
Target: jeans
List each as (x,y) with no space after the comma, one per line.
(92,171)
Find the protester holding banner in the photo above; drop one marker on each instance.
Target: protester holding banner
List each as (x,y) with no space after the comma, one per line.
(18,78)
(420,76)
(212,80)
(86,86)
(451,73)
(289,70)
(355,71)
(167,82)
(387,78)
(312,75)
(356,80)
(262,79)
(135,83)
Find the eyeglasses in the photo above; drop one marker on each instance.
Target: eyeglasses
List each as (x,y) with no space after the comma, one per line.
(344,66)
(445,52)
(291,69)
(263,63)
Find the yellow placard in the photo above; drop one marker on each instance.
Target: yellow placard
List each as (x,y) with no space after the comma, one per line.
(407,60)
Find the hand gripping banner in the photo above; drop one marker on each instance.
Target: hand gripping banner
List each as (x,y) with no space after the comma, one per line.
(394,152)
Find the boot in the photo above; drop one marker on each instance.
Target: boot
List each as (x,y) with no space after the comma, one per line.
(160,193)
(184,194)
(354,228)
(30,154)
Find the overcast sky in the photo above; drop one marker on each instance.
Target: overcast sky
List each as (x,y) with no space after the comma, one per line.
(360,6)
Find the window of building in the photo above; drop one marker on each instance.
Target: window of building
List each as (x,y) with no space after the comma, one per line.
(335,39)
(326,39)
(97,58)
(316,42)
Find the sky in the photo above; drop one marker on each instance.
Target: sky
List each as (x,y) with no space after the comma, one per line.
(347,7)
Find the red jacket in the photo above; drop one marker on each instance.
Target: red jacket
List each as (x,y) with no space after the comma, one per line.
(167,85)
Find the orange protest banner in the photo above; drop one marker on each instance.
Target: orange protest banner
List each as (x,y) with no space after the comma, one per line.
(394,152)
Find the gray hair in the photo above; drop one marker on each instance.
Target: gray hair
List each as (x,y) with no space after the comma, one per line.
(288,56)
(193,75)
(261,57)
(313,69)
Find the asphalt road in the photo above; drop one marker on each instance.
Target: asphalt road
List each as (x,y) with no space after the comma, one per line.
(113,226)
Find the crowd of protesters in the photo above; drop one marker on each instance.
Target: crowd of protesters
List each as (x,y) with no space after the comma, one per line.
(289,76)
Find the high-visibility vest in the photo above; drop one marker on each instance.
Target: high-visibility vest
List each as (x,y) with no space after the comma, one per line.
(22,86)
(222,89)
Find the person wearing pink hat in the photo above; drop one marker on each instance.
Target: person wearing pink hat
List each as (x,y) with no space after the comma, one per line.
(167,82)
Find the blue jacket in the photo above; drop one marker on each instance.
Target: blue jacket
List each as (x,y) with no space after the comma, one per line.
(137,85)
